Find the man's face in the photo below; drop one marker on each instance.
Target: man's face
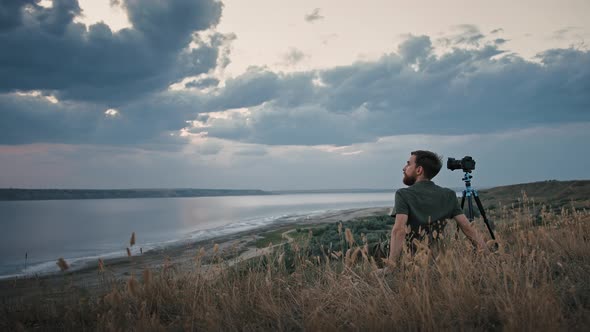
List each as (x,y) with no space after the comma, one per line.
(410,171)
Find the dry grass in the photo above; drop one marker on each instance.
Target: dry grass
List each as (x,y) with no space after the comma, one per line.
(62,264)
(537,280)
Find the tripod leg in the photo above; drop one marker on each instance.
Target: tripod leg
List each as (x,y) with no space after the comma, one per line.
(483,214)
(463,199)
(470,208)
(462,205)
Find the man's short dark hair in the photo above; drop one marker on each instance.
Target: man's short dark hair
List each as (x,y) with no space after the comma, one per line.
(430,162)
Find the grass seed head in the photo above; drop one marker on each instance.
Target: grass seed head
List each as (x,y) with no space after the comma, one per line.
(349,237)
(63,265)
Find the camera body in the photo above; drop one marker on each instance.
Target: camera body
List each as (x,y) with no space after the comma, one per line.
(467,164)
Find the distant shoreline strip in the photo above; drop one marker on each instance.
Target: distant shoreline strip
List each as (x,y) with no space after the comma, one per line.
(12,194)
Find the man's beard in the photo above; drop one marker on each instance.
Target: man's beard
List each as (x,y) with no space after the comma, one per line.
(409,180)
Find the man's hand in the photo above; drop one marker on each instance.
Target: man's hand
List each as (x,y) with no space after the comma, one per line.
(387,269)
(471,233)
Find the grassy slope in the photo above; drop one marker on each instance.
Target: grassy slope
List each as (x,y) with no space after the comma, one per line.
(536,280)
(554,193)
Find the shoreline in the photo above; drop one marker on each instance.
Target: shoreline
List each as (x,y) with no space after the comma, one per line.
(237,246)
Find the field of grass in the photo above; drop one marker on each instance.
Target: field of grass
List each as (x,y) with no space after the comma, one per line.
(325,280)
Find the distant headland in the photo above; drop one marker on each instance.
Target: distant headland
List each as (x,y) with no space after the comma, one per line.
(13,194)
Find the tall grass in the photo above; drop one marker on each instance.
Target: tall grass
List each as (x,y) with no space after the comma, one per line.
(536,280)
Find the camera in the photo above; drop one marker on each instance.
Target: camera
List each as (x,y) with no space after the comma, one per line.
(467,164)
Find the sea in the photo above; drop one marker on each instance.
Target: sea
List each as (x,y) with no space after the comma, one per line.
(34,234)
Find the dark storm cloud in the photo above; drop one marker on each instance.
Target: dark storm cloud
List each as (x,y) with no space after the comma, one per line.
(250,89)
(473,90)
(43,49)
(259,85)
(313,16)
(147,122)
(11,12)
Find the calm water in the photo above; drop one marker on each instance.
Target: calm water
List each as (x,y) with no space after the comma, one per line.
(84,230)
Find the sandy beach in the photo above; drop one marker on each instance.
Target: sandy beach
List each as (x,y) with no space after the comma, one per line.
(233,248)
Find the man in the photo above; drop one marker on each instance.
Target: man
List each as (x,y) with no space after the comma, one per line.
(424,206)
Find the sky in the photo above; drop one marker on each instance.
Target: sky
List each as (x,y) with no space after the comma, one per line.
(284,94)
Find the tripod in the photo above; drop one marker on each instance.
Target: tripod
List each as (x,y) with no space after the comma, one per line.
(470,194)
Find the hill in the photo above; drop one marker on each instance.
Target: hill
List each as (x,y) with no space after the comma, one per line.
(552,193)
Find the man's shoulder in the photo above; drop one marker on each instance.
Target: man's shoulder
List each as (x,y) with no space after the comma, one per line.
(445,189)
(448,192)
(403,190)
(431,188)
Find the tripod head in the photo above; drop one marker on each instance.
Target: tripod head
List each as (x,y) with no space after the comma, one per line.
(467,178)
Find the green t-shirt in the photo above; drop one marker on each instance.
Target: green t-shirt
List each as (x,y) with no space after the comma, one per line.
(427,206)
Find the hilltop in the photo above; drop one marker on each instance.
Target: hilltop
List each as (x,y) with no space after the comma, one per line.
(554,194)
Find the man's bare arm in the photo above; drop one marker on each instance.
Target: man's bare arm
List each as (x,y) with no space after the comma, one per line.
(398,234)
(471,233)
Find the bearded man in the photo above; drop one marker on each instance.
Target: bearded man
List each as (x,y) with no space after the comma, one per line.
(425,207)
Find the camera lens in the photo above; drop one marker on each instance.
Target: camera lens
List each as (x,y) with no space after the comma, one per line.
(453,164)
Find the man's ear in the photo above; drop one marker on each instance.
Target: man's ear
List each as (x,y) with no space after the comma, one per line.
(420,170)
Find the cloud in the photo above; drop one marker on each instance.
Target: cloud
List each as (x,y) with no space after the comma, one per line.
(11,13)
(500,41)
(252,151)
(577,36)
(44,49)
(326,39)
(250,89)
(415,49)
(465,34)
(147,123)
(564,33)
(313,16)
(203,83)
(293,57)
(466,90)
(210,147)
